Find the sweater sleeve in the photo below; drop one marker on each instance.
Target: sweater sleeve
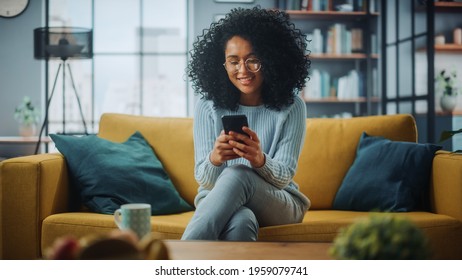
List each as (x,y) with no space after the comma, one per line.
(279,168)
(205,133)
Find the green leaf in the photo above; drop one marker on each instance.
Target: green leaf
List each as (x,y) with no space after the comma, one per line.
(445,135)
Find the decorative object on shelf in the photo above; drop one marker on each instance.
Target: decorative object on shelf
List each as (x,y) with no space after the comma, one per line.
(440,39)
(381,236)
(27,116)
(457,37)
(448,103)
(446,82)
(235,1)
(63,43)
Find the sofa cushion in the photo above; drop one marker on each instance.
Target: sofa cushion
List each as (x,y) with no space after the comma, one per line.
(109,174)
(330,149)
(386,175)
(172,138)
(444,232)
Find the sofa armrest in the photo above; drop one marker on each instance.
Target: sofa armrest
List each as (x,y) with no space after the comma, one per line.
(446,185)
(31,188)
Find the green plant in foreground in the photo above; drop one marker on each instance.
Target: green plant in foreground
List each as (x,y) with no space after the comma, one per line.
(380,237)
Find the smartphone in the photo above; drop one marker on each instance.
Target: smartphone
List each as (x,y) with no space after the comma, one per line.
(234,123)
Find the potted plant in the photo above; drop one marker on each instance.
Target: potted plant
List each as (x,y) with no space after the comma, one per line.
(446,82)
(381,236)
(447,134)
(27,116)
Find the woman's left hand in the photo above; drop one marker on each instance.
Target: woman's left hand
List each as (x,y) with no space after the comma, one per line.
(248,147)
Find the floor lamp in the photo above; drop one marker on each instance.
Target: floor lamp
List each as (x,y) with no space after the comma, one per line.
(62,43)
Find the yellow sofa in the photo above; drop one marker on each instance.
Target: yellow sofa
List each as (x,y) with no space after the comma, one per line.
(34,190)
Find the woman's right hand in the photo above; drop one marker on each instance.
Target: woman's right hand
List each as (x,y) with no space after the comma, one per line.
(222,150)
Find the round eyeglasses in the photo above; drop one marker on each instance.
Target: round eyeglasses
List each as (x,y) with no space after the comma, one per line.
(251,64)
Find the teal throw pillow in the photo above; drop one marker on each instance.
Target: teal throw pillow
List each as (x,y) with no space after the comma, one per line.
(108,174)
(386,176)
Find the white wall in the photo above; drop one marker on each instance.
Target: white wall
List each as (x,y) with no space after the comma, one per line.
(20,73)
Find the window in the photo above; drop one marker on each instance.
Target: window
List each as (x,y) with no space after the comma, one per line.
(138,67)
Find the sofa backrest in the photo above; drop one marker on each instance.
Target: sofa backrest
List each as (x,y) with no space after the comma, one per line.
(171,139)
(328,151)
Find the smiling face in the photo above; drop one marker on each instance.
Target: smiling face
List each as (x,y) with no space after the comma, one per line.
(238,50)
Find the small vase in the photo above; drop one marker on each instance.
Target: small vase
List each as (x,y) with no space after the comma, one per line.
(448,103)
(27,130)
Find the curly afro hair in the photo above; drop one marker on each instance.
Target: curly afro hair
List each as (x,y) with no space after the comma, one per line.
(275,41)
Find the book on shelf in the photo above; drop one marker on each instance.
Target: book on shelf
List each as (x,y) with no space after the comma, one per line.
(312,88)
(323,5)
(349,5)
(315,85)
(374,44)
(290,4)
(303,5)
(315,41)
(350,86)
(337,40)
(357,40)
(321,85)
(373,6)
(318,5)
(375,83)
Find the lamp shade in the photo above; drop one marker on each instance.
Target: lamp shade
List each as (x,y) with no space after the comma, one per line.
(63,43)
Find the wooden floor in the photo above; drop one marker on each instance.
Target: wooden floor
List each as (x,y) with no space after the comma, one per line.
(221,250)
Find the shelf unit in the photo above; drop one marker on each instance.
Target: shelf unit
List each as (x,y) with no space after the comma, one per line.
(446,48)
(452,48)
(364,101)
(444,6)
(444,11)
(329,14)
(447,16)
(410,59)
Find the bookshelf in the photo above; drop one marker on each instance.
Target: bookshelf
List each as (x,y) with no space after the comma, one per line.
(446,48)
(448,9)
(452,48)
(328,14)
(417,43)
(344,52)
(444,6)
(448,17)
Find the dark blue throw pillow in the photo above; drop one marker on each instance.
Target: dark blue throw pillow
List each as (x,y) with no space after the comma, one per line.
(109,174)
(386,176)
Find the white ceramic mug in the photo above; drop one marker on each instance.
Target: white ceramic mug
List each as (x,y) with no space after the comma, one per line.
(135,217)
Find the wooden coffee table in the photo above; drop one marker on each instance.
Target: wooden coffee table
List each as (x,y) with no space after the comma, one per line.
(228,250)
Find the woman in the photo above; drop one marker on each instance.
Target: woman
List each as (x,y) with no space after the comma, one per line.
(252,62)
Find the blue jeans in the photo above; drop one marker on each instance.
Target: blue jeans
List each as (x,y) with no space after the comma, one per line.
(239,203)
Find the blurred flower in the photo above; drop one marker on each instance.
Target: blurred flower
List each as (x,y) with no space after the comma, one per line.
(447,82)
